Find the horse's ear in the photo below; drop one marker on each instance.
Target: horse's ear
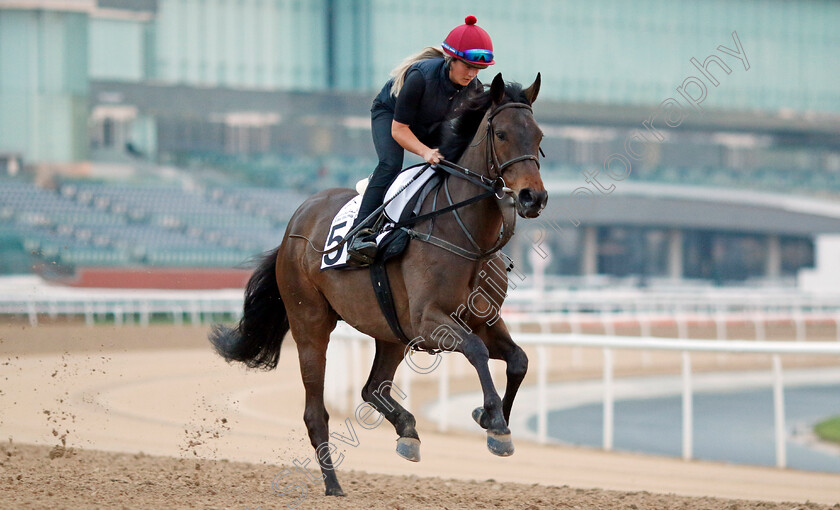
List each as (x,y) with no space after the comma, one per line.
(532,91)
(497,89)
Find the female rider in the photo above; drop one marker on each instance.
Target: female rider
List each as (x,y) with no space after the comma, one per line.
(409,111)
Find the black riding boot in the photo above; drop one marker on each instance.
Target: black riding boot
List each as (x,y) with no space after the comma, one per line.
(361,251)
(362,248)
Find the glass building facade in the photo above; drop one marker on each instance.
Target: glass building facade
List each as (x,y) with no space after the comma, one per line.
(43,84)
(603,51)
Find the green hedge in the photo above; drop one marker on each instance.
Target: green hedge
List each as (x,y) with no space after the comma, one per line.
(829,430)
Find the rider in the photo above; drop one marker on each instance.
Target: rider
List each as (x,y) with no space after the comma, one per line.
(409,111)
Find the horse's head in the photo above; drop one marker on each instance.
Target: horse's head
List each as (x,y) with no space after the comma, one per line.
(513,146)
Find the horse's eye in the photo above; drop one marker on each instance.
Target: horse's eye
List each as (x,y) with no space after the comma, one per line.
(500,135)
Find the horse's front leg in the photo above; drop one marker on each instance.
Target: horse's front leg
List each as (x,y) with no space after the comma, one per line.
(502,346)
(440,330)
(493,415)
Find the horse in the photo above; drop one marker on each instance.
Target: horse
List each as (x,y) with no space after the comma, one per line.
(433,280)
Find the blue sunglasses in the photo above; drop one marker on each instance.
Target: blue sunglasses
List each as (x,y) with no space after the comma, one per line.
(476,56)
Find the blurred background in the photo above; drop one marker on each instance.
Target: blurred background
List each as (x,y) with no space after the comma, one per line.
(159,137)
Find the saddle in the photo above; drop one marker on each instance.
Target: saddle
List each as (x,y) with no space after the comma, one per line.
(404,198)
(411,188)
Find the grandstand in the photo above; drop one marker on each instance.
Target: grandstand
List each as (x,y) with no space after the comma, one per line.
(84,224)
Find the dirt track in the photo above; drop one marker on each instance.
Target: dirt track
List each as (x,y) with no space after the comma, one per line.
(160,391)
(94,479)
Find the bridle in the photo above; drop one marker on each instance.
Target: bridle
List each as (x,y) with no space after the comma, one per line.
(492,157)
(495,186)
(498,182)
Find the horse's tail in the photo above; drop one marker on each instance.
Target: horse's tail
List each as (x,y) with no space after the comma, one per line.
(256,340)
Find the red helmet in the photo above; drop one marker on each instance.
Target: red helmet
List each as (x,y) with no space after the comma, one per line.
(470,43)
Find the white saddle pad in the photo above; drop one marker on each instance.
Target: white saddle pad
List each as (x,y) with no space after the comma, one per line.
(343,220)
(395,209)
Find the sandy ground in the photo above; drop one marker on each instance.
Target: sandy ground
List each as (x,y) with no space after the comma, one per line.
(218,436)
(36,477)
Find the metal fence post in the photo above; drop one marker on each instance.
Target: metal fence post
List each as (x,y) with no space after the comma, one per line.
(608,400)
(779,412)
(542,394)
(687,408)
(443,393)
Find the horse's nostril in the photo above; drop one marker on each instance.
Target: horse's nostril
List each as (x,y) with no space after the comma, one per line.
(526,197)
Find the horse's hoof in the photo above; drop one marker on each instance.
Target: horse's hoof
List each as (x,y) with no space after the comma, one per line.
(477,414)
(500,444)
(409,448)
(334,491)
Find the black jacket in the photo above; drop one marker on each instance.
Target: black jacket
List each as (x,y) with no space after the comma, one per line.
(425,99)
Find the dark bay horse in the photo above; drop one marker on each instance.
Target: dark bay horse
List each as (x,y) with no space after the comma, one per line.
(434,284)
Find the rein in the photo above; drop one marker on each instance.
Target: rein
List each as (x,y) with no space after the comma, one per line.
(494,187)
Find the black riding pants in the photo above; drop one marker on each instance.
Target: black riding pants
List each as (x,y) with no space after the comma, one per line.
(391,156)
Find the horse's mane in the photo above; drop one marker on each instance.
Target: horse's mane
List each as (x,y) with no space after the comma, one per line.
(466,116)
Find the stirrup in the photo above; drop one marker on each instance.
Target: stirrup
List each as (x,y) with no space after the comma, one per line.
(361,251)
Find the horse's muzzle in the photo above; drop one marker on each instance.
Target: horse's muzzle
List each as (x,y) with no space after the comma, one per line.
(530,203)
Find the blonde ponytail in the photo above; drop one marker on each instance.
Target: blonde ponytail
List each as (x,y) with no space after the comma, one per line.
(399,72)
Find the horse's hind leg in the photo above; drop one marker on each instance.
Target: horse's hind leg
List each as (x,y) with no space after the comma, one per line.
(377,392)
(312,340)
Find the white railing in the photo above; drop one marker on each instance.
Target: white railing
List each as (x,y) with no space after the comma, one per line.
(686,347)
(759,319)
(338,396)
(32,297)
(196,306)
(686,299)
(125,309)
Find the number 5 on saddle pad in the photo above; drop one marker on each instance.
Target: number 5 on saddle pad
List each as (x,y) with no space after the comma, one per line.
(343,221)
